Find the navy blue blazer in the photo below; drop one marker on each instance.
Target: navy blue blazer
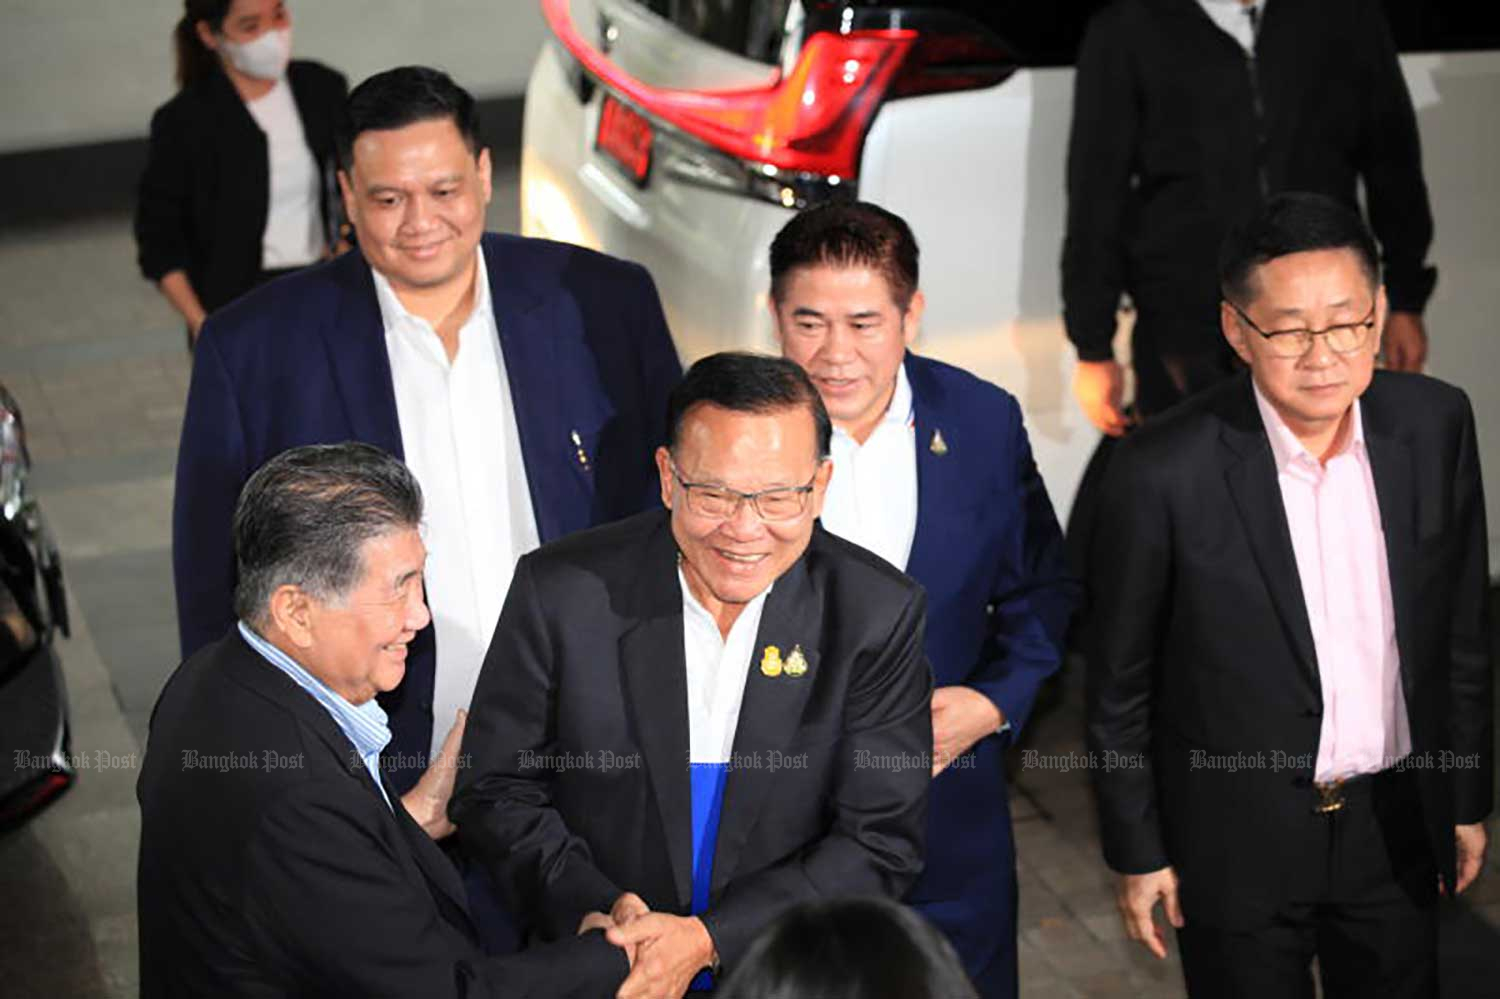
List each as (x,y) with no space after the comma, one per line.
(303,361)
(989,552)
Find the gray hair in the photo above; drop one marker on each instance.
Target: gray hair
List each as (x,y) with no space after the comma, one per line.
(303,517)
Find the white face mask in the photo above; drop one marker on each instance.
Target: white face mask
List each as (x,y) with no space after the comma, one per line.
(264,57)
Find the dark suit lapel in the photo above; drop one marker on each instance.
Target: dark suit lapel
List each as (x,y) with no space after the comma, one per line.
(771,711)
(940,480)
(1250,472)
(251,670)
(528,343)
(358,359)
(1392,469)
(436,868)
(655,685)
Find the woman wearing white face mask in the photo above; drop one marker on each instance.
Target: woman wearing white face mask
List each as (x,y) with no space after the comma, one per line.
(239,185)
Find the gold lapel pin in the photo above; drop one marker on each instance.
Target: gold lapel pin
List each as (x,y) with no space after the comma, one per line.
(796,663)
(582,455)
(770,661)
(938,446)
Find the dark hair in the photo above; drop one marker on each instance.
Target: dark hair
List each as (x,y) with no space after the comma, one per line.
(856,948)
(747,383)
(848,234)
(404,96)
(1294,222)
(304,515)
(194,59)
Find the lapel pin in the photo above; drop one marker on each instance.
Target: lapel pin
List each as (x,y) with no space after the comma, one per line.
(796,663)
(582,455)
(770,661)
(938,446)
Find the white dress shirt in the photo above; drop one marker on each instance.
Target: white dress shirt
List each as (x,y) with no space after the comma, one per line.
(716,671)
(294,228)
(1234,19)
(458,429)
(872,497)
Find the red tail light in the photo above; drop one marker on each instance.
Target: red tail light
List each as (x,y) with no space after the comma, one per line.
(32,797)
(812,120)
(941,63)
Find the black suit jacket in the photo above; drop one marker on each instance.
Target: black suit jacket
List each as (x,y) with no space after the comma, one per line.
(577,781)
(206,189)
(270,865)
(1203,642)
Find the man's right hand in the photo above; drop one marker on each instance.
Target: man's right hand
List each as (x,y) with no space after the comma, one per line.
(1099,387)
(1136,896)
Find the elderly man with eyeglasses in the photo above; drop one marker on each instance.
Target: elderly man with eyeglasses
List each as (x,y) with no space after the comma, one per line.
(1291,689)
(694,719)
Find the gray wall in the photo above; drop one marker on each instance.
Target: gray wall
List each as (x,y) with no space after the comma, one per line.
(78,72)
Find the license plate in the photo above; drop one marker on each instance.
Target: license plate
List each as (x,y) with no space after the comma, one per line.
(625,137)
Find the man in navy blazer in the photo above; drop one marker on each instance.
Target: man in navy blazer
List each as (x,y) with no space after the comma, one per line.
(933,472)
(396,345)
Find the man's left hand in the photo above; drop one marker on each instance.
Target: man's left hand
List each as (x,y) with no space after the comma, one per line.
(427,802)
(961,716)
(1405,342)
(1470,841)
(670,950)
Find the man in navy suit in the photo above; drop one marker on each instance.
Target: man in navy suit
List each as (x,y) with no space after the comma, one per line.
(933,472)
(523,381)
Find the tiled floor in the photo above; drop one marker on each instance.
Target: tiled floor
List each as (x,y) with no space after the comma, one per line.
(97,362)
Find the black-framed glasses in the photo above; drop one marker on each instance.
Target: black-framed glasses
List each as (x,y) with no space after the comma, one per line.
(721,503)
(1343,338)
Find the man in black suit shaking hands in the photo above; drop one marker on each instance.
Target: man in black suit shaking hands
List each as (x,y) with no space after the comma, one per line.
(693,719)
(276,858)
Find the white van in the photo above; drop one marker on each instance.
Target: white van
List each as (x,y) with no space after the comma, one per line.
(682,134)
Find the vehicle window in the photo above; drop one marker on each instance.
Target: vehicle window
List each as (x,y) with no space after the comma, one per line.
(1444,25)
(749,28)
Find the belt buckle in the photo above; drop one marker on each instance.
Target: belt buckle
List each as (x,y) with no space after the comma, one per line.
(1330,797)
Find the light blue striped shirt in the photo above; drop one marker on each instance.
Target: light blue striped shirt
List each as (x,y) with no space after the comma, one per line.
(364,725)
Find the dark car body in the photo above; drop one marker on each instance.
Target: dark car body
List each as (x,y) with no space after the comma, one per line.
(35,762)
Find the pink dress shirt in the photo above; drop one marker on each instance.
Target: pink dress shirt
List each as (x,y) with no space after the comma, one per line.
(1334,519)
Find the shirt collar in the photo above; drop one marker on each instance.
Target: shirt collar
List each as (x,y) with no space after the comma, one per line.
(1286,448)
(365,724)
(394,315)
(692,608)
(899,412)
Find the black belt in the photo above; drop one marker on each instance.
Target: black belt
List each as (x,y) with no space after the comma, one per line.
(1333,795)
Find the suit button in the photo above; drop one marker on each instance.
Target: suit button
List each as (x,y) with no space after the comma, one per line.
(426,707)
(1312,712)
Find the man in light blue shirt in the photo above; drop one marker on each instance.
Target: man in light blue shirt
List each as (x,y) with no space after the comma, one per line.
(276,858)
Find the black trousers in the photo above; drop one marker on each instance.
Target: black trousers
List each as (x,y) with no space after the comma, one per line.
(1169,371)
(1165,374)
(1366,908)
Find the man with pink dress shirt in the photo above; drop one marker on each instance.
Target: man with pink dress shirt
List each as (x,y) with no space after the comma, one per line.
(1290,706)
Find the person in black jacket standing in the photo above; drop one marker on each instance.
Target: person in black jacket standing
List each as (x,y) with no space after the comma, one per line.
(1187,115)
(1290,693)
(238,186)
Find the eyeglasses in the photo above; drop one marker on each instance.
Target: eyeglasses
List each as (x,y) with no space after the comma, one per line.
(1344,338)
(721,503)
